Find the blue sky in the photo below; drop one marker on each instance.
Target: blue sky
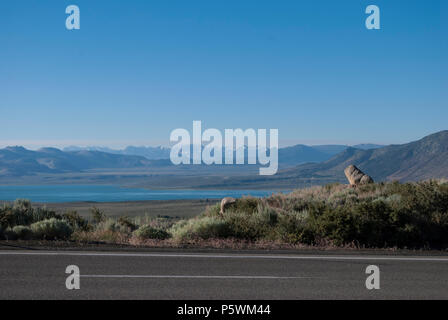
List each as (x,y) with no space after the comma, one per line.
(136,70)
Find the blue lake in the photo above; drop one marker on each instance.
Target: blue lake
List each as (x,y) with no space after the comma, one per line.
(103,193)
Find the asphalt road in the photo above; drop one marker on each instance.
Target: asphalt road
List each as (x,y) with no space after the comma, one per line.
(171,275)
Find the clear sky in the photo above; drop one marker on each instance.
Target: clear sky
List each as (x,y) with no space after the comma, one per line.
(136,70)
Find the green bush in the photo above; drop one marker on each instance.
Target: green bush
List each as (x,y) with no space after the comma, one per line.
(75,221)
(335,224)
(149,232)
(11,216)
(125,222)
(247,205)
(9,234)
(107,225)
(52,229)
(200,228)
(23,232)
(294,227)
(254,225)
(98,215)
(40,214)
(243,226)
(22,213)
(212,211)
(115,226)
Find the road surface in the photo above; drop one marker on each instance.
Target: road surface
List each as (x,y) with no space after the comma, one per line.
(177,275)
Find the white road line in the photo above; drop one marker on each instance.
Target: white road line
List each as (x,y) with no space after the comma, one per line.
(186,276)
(227,256)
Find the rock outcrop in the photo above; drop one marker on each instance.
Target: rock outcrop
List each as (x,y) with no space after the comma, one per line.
(225,203)
(356,177)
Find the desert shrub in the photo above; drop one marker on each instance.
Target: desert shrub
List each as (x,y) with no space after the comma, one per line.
(163,222)
(335,224)
(149,232)
(252,225)
(75,221)
(247,204)
(18,214)
(202,228)
(9,234)
(113,226)
(126,222)
(107,225)
(22,204)
(212,211)
(243,226)
(98,215)
(265,215)
(293,227)
(373,224)
(52,229)
(343,197)
(160,222)
(22,213)
(330,187)
(6,217)
(40,214)
(23,232)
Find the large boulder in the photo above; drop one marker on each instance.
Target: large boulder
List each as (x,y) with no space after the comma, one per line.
(356,177)
(225,203)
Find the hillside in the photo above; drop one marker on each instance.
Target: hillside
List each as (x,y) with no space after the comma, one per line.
(419,160)
(298,154)
(422,159)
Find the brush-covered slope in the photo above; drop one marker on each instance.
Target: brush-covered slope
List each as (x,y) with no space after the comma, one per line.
(423,159)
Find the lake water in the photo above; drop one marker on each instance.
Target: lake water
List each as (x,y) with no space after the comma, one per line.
(101,193)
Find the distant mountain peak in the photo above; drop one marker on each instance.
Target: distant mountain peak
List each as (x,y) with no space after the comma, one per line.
(16,148)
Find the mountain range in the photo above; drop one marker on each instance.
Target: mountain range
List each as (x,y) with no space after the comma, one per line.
(292,155)
(18,161)
(299,165)
(151,153)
